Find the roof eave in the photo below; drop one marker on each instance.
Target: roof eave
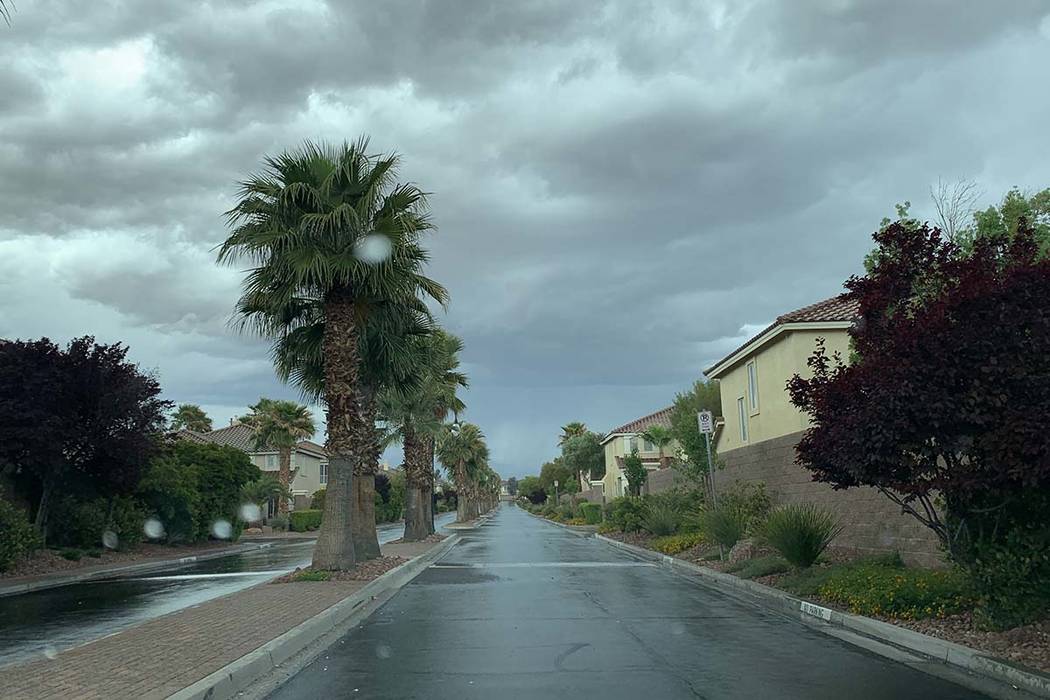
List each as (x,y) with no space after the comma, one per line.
(752,346)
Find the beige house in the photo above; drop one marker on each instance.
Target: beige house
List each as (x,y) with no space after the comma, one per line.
(620,441)
(762,427)
(309,460)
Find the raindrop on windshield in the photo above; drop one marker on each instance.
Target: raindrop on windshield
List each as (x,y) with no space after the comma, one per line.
(153,528)
(50,652)
(221,530)
(110,540)
(373,249)
(251,513)
(383,651)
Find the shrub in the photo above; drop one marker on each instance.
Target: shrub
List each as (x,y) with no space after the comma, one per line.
(1011,576)
(565,512)
(800,532)
(762,566)
(576,521)
(749,502)
(303,520)
(660,519)
(309,575)
(70,553)
(94,553)
(592,513)
(317,500)
(169,491)
(673,544)
(909,594)
(77,524)
(18,538)
(278,522)
(723,525)
(606,527)
(549,510)
(625,513)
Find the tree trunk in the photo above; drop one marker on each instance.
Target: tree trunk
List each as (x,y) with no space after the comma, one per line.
(462,499)
(416,528)
(335,543)
(428,490)
(363,519)
(284,475)
(43,508)
(428,505)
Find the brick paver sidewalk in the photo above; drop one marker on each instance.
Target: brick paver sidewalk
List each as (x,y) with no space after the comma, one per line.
(166,654)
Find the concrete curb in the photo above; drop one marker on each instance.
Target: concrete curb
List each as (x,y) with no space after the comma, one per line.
(578,529)
(143,567)
(231,679)
(963,658)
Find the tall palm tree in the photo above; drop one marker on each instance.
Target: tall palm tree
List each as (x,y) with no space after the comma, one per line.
(306,223)
(190,416)
(661,437)
(280,425)
(462,450)
(416,418)
(571,430)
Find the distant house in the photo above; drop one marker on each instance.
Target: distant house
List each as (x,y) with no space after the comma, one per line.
(309,460)
(621,441)
(762,427)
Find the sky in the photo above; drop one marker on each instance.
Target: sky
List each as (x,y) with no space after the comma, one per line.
(625,190)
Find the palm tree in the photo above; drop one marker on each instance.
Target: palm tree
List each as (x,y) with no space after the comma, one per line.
(462,450)
(661,437)
(571,430)
(306,223)
(190,416)
(415,417)
(5,12)
(260,491)
(280,425)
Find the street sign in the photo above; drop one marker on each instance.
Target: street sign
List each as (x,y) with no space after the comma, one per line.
(706,422)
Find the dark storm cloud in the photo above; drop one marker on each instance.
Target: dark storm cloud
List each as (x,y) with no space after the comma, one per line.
(625,190)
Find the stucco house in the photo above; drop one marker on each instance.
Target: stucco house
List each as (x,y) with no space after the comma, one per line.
(762,427)
(309,460)
(620,441)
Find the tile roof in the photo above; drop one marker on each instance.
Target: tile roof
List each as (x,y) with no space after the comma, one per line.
(830,310)
(242,437)
(661,417)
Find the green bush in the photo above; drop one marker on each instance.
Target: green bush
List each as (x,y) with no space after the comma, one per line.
(673,544)
(625,513)
(278,522)
(592,513)
(723,525)
(565,512)
(762,566)
(660,519)
(909,594)
(800,532)
(18,538)
(317,500)
(303,520)
(70,553)
(549,510)
(311,575)
(169,491)
(749,503)
(1012,575)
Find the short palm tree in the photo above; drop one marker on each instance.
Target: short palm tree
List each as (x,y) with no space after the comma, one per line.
(661,437)
(462,450)
(280,425)
(571,430)
(305,224)
(260,491)
(190,416)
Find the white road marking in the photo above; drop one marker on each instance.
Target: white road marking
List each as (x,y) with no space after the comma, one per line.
(549,565)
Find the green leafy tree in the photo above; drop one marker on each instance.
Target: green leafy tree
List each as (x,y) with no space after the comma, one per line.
(703,396)
(261,490)
(660,436)
(584,456)
(558,470)
(635,472)
(333,241)
(512,486)
(531,488)
(190,416)
(280,425)
(1000,223)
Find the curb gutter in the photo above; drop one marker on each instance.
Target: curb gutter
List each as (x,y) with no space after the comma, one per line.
(578,529)
(827,620)
(231,679)
(57,581)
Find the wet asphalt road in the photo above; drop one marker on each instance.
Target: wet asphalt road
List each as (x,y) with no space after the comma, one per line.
(523,609)
(60,618)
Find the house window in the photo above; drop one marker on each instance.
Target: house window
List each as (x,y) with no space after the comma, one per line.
(324,473)
(648,446)
(742,412)
(752,385)
(629,444)
(271,461)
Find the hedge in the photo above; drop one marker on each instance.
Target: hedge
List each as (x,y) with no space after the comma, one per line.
(303,520)
(592,513)
(18,538)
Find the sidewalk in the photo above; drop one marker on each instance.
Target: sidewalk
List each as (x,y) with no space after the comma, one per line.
(23,584)
(167,654)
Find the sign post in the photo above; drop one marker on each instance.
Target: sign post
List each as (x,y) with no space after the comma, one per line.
(706,422)
(556,493)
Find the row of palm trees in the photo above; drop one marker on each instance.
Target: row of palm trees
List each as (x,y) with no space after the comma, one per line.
(335,280)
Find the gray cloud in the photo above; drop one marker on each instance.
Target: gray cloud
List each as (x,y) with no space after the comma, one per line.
(625,190)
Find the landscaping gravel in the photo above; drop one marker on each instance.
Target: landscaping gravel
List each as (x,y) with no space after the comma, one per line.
(435,537)
(49,561)
(363,571)
(1028,645)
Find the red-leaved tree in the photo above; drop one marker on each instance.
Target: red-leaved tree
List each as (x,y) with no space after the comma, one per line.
(945,405)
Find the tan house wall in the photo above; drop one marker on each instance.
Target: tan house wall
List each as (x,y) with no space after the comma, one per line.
(614,483)
(307,480)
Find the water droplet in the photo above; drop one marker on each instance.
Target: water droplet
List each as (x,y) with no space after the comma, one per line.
(153,528)
(677,628)
(222,530)
(110,540)
(251,513)
(373,249)
(383,651)
(50,652)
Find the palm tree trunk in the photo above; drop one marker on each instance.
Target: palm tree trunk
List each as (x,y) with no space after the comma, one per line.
(363,501)
(284,475)
(462,497)
(335,544)
(416,528)
(428,490)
